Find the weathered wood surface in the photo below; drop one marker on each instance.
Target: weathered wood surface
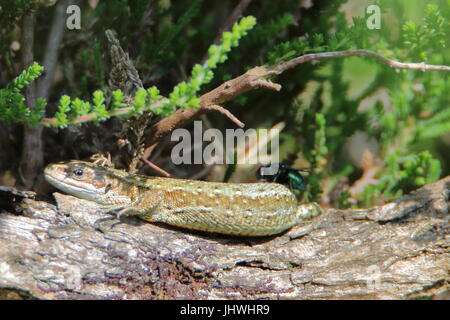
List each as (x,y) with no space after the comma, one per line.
(396,251)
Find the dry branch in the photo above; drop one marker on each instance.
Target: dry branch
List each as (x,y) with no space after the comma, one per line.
(256,78)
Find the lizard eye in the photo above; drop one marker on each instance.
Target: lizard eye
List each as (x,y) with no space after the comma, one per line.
(78,172)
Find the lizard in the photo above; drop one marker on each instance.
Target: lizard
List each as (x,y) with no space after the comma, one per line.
(238,209)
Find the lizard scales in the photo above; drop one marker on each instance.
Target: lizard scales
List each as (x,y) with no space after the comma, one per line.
(244,209)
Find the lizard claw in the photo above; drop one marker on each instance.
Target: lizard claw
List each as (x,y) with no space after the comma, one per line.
(97,223)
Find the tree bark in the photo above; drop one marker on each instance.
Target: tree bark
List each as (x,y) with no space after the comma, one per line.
(32,157)
(396,251)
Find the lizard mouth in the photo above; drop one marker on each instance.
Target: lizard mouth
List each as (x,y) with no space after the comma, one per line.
(69,187)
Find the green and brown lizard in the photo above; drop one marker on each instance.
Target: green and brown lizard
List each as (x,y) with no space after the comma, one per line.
(243,209)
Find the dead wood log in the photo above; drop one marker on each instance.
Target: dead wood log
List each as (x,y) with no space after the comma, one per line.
(396,251)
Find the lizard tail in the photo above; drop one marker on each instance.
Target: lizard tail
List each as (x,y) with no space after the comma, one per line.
(308,210)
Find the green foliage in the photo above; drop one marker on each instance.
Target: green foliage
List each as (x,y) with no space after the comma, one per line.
(162,47)
(174,29)
(273,27)
(26,77)
(417,110)
(81,108)
(117,100)
(315,152)
(98,64)
(122,15)
(417,170)
(433,34)
(343,199)
(12,9)
(324,104)
(402,129)
(63,110)
(79,111)
(184,95)
(100,108)
(346,38)
(402,175)
(12,102)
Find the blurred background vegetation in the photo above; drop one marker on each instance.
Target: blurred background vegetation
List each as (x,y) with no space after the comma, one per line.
(368,132)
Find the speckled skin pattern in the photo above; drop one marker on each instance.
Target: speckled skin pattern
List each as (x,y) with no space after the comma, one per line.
(243,209)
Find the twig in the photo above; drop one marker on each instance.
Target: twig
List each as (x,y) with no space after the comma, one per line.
(92,116)
(257,78)
(283,66)
(155,167)
(225,112)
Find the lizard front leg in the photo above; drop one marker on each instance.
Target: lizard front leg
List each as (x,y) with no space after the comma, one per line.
(143,206)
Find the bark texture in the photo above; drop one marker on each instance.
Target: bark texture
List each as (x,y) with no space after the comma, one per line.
(396,251)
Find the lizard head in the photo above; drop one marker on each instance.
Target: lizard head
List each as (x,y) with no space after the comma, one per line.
(81,179)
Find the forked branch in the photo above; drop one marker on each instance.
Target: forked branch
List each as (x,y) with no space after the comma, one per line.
(258,77)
